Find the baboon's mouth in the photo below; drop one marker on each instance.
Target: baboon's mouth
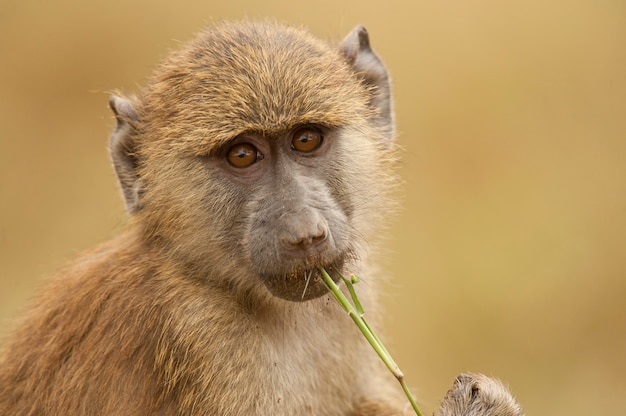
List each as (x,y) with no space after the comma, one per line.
(304,284)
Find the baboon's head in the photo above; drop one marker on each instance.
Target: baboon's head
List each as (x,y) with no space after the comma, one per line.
(257,154)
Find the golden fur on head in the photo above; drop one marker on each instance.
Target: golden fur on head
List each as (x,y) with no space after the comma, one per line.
(248,77)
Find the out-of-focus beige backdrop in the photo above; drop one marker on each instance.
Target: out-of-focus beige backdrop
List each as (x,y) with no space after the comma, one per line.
(509,256)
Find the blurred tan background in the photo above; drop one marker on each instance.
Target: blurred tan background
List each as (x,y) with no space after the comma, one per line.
(509,257)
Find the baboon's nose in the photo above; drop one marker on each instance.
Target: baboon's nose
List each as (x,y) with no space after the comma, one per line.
(305,233)
(303,242)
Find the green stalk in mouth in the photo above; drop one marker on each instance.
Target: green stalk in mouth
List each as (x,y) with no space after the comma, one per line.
(356,312)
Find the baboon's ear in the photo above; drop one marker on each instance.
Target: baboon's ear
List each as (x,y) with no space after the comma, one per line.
(122,148)
(358,53)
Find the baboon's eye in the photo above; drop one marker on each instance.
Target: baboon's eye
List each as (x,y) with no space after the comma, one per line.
(306,140)
(243,155)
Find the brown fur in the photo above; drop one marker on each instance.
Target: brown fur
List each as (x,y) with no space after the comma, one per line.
(476,394)
(195,310)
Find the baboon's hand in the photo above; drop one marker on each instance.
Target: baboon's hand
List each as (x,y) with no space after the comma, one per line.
(478,395)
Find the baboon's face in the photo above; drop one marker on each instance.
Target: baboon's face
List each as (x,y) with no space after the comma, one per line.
(257,158)
(295,212)
(278,206)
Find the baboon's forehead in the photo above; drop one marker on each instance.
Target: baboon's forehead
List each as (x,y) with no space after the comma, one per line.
(251,77)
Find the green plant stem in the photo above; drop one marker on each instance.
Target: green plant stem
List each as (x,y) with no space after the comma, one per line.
(357,313)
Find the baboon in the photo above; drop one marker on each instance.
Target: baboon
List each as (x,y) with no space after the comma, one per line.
(255,155)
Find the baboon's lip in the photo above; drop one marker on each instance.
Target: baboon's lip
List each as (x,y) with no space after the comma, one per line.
(303,284)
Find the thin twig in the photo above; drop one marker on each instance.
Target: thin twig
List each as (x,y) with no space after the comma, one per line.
(357,314)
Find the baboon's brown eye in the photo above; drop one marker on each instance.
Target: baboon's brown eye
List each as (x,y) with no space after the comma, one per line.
(306,140)
(243,155)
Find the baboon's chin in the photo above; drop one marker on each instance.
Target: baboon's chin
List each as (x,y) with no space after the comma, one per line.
(300,286)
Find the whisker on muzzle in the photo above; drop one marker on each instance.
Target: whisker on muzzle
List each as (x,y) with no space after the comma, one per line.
(308,279)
